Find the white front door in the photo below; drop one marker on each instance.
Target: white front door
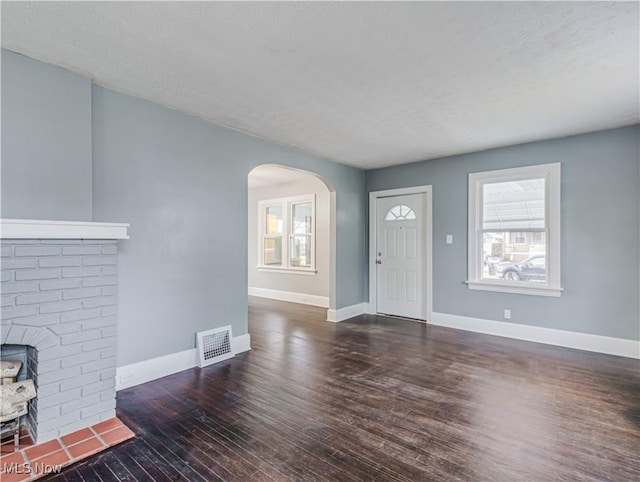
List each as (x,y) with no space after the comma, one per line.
(400,255)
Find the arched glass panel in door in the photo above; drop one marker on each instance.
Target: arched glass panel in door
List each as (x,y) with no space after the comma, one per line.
(400,212)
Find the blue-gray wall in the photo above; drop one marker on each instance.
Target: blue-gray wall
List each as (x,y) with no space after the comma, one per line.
(70,151)
(182,184)
(46,141)
(600,232)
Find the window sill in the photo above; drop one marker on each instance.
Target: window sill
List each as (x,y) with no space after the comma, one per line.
(302,271)
(515,288)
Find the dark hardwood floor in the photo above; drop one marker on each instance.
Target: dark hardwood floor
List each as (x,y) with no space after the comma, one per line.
(377,398)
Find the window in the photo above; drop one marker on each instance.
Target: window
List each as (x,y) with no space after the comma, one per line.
(537,238)
(519,238)
(400,213)
(514,230)
(287,234)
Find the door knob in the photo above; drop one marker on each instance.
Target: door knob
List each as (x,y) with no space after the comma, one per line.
(378,261)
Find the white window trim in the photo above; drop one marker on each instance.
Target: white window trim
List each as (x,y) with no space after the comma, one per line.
(551,174)
(287,210)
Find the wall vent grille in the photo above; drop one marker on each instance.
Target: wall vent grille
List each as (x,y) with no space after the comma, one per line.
(214,346)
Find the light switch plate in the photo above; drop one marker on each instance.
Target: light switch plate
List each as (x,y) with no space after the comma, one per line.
(449,238)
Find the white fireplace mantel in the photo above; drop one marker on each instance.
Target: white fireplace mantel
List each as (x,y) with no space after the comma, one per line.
(40,229)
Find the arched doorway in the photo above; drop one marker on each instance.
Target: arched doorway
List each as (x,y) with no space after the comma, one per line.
(291,236)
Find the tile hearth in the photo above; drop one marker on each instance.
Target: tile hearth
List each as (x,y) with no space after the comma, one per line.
(52,456)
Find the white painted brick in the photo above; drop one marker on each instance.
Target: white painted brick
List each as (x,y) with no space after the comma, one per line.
(107,415)
(79,381)
(80,403)
(36,251)
(80,359)
(108,374)
(54,423)
(110,249)
(58,262)
(60,241)
(48,366)
(98,344)
(80,424)
(99,365)
(80,337)
(46,436)
(30,335)
(59,375)
(38,320)
(78,293)
(48,412)
(109,311)
(109,352)
(4,331)
(7,300)
(58,352)
(80,272)
(99,301)
(20,242)
(58,398)
(80,250)
(99,281)
(80,315)
(109,270)
(19,263)
(32,299)
(48,389)
(60,306)
(99,260)
(98,387)
(108,332)
(66,328)
(33,274)
(14,335)
(45,340)
(59,284)
(18,311)
(72,288)
(98,322)
(23,287)
(109,291)
(98,408)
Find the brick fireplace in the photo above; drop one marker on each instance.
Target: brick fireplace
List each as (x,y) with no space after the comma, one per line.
(59,315)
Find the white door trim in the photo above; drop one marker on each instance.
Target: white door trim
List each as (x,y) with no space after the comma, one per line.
(428,259)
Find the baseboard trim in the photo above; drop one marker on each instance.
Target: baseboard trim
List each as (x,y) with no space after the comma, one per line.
(241,343)
(313,300)
(145,371)
(347,312)
(537,334)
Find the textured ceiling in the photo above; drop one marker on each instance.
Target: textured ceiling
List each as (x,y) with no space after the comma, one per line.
(367,84)
(270,175)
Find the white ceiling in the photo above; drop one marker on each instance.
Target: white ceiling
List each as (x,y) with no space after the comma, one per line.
(367,84)
(269,175)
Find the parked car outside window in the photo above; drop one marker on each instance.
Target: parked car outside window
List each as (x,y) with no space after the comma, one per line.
(531,269)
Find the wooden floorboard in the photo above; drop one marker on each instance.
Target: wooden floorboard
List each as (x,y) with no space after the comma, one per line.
(377,398)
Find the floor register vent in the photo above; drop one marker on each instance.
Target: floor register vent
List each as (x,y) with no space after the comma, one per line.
(214,346)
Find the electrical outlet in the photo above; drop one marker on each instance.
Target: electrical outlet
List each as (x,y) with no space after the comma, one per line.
(507,314)
(449,238)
